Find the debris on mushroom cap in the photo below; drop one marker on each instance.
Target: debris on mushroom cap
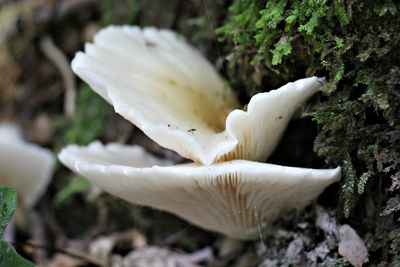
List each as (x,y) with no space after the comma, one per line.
(156,80)
(25,166)
(234,197)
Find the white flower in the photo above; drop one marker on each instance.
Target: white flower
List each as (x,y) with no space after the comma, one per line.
(165,87)
(25,166)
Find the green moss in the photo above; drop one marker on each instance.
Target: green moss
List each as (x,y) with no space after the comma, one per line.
(270,28)
(281,49)
(394,236)
(341,263)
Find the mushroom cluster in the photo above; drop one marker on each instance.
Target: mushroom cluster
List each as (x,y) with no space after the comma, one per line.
(165,87)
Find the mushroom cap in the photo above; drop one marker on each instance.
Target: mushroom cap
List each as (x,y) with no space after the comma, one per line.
(164,86)
(233,198)
(26,167)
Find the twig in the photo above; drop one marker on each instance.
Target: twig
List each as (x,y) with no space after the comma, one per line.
(193,259)
(75,254)
(205,254)
(57,57)
(38,234)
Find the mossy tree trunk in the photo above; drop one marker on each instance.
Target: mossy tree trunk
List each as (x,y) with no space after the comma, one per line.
(356,46)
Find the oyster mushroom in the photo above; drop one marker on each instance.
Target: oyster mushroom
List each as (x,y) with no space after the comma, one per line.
(233,197)
(156,80)
(26,167)
(160,83)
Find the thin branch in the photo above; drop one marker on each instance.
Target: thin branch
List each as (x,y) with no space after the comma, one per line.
(75,254)
(58,58)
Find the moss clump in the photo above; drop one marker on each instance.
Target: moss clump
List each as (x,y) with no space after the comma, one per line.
(356,45)
(272,30)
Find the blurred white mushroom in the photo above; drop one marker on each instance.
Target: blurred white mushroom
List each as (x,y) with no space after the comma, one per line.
(165,87)
(234,197)
(156,80)
(25,166)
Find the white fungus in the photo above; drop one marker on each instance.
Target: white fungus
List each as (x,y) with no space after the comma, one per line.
(156,80)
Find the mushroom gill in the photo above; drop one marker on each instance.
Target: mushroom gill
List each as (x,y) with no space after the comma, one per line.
(232,198)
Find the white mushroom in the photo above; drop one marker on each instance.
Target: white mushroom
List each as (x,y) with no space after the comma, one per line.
(235,197)
(156,80)
(165,87)
(24,166)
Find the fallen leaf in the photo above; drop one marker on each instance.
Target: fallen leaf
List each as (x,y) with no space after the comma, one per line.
(351,246)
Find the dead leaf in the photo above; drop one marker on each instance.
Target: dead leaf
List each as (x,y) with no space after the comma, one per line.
(351,246)
(61,260)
